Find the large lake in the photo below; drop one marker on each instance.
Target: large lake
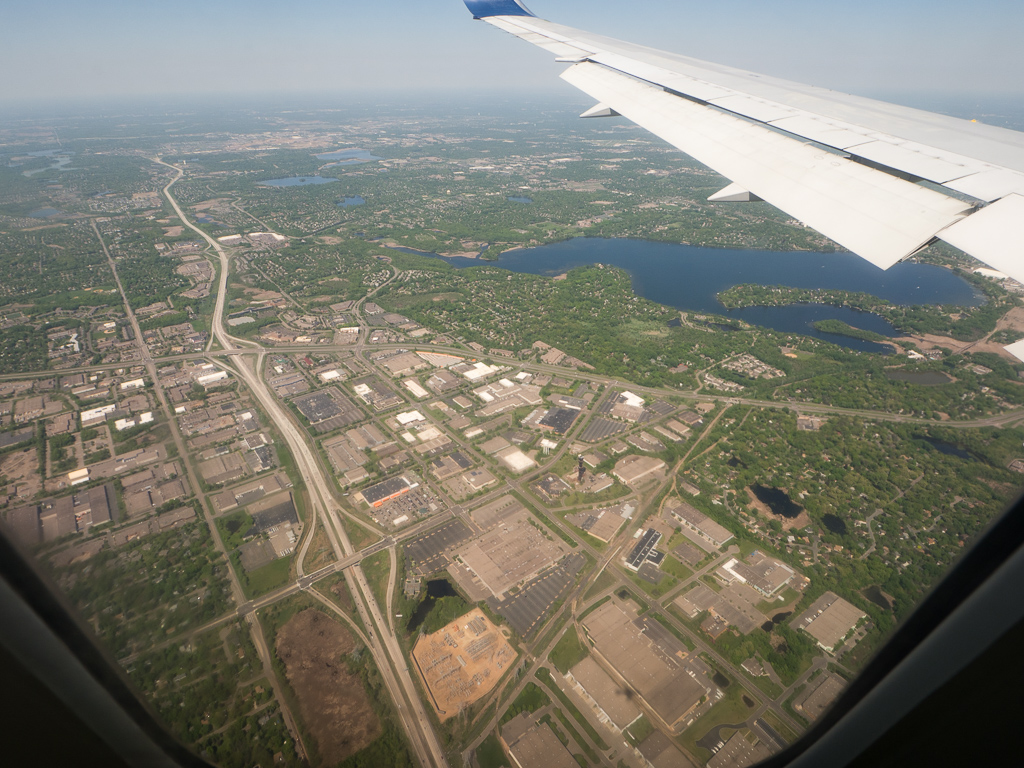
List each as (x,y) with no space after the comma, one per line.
(298,181)
(689,278)
(347,157)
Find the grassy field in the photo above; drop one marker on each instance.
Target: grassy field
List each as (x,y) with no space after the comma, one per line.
(357,534)
(268,578)
(376,568)
(604,581)
(730,709)
(569,652)
(490,754)
(673,567)
(639,730)
(530,699)
(320,552)
(767,687)
(662,588)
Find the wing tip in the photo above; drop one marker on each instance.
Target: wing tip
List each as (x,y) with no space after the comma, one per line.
(1016,349)
(481,9)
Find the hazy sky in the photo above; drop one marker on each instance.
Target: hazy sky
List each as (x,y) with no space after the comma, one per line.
(56,49)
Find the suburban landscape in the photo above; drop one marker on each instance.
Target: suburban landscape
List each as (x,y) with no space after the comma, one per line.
(334,487)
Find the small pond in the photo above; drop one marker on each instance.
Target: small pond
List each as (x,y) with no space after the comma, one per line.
(834,524)
(875,595)
(947,448)
(777,500)
(436,588)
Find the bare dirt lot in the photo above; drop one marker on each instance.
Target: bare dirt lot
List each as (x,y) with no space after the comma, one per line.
(462,662)
(1011,321)
(21,468)
(334,705)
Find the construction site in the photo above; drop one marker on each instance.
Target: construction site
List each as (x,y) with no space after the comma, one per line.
(462,662)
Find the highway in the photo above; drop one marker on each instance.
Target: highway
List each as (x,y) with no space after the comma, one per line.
(384,643)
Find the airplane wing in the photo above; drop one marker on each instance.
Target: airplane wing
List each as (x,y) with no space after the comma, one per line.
(881,180)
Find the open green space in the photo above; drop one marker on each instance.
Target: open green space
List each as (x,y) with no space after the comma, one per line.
(569,651)
(268,578)
(377,568)
(490,754)
(530,699)
(730,709)
(603,582)
(639,730)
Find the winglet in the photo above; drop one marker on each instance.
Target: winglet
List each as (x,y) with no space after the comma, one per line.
(481,9)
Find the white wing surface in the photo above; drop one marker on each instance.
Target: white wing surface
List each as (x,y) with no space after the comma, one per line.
(879,179)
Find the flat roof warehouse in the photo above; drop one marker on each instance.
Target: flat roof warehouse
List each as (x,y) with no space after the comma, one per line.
(377,495)
(643,549)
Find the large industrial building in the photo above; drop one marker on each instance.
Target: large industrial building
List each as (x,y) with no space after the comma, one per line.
(377,495)
(659,679)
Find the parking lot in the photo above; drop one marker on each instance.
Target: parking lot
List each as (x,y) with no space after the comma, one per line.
(598,429)
(405,508)
(328,410)
(527,609)
(426,553)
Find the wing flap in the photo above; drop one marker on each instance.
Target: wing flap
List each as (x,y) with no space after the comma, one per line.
(831,134)
(915,160)
(990,184)
(879,217)
(994,235)
(756,109)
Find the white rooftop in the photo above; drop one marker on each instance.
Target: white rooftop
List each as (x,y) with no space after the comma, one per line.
(409,417)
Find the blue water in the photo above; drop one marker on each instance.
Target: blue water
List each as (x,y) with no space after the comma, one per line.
(202,218)
(350,202)
(347,157)
(947,448)
(348,154)
(61,161)
(689,278)
(43,213)
(526,200)
(298,181)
